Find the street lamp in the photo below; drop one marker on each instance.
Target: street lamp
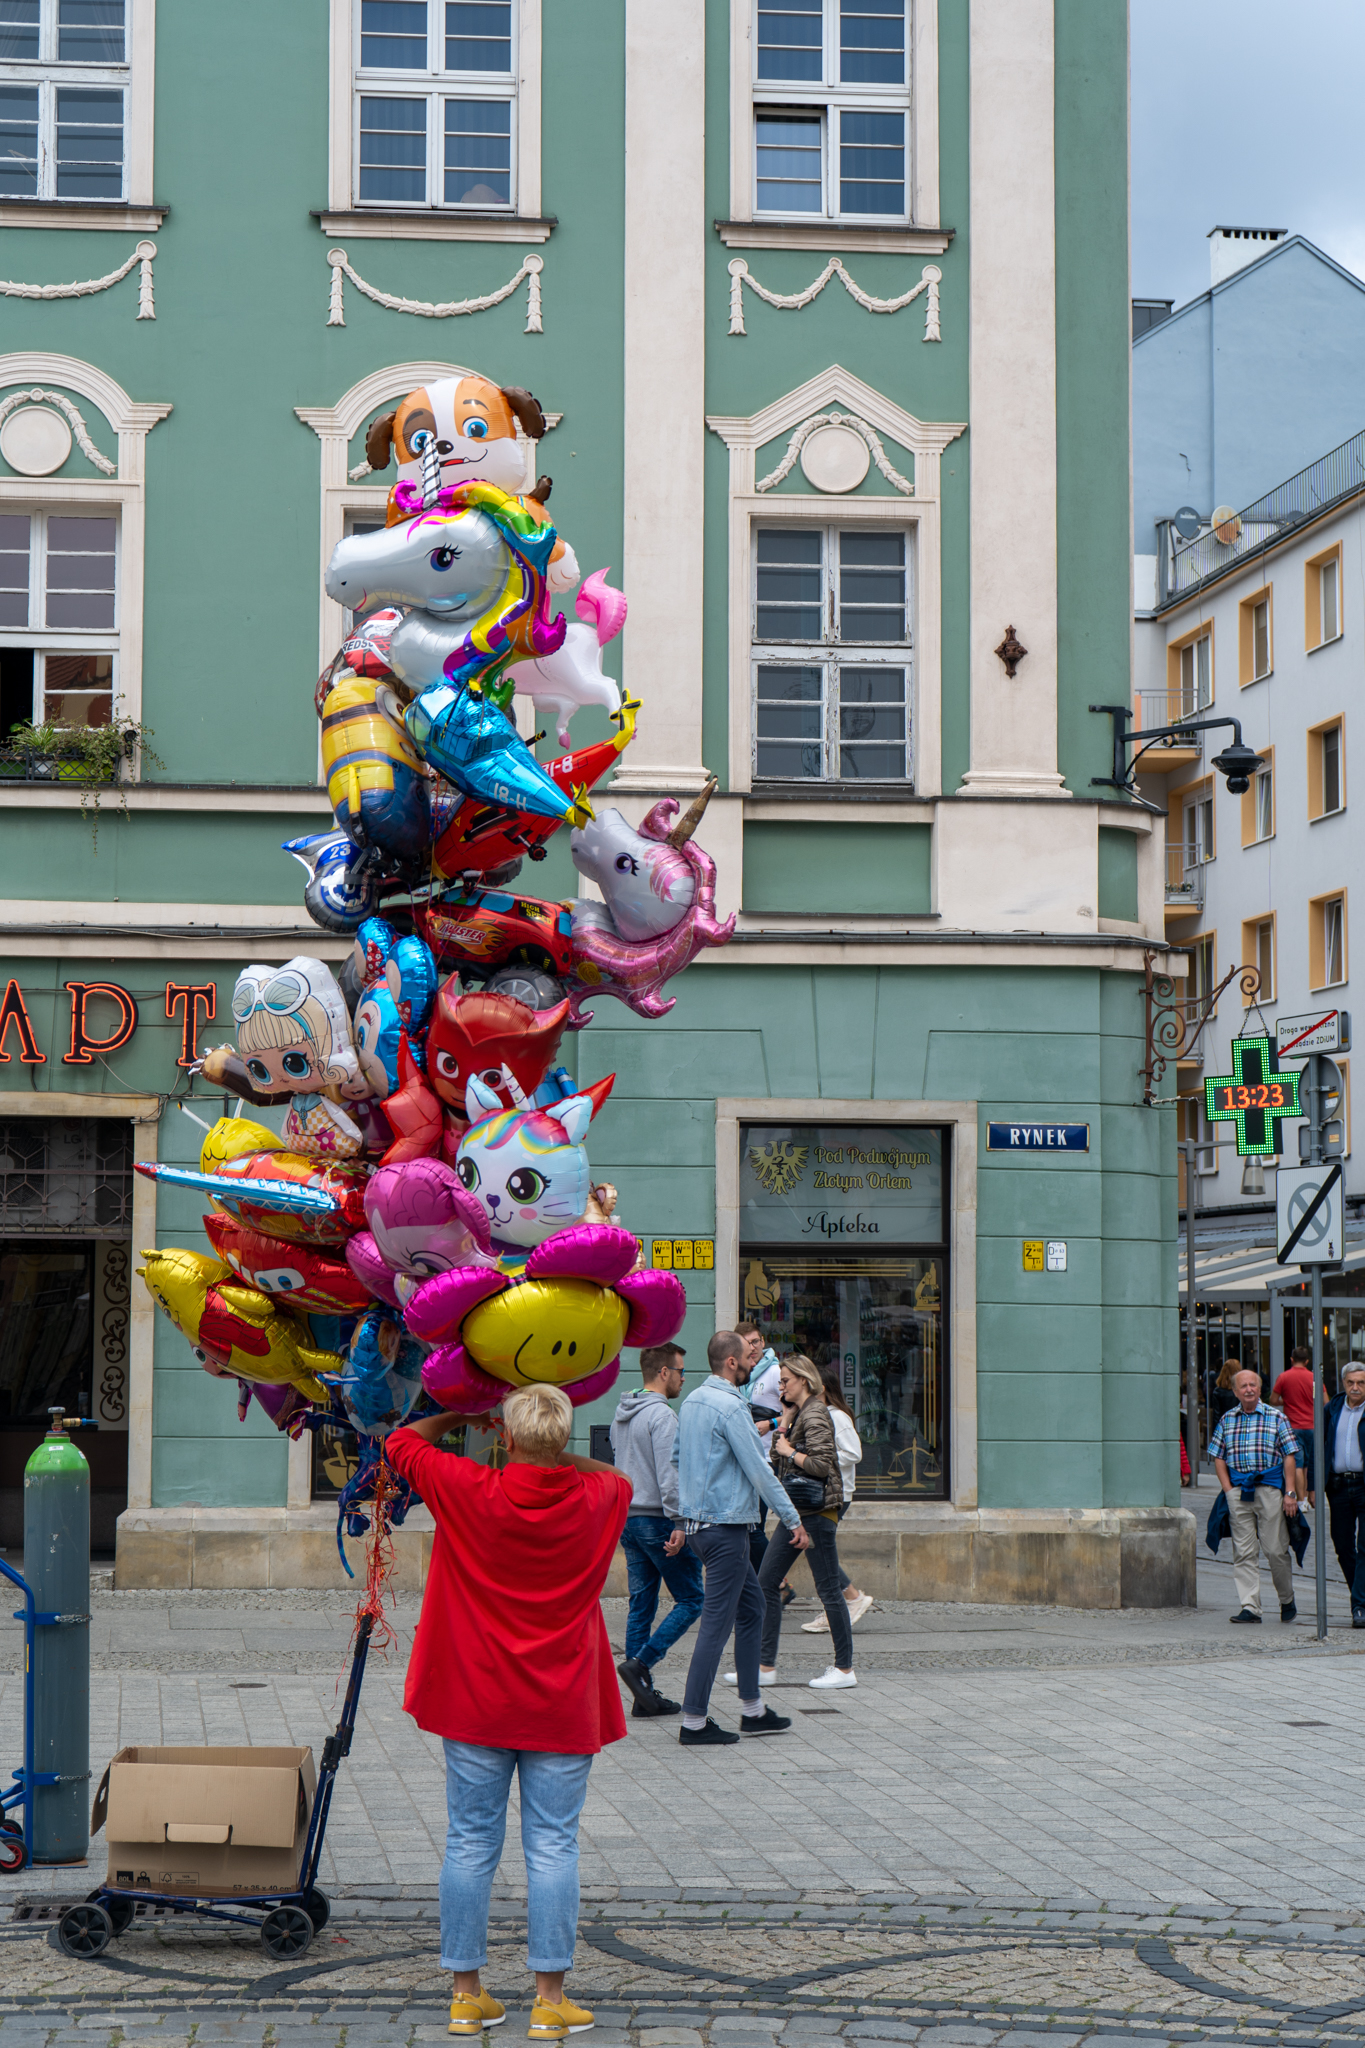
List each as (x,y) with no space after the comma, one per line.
(1236,762)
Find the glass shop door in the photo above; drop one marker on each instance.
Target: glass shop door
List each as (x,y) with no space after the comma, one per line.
(882,1319)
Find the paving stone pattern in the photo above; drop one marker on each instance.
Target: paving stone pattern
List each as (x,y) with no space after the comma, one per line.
(739,1976)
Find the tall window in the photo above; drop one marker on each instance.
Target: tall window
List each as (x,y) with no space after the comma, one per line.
(1331,610)
(1331,769)
(63,91)
(1264,797)
(1334,939)
(58,617)
(1326,769)
(1255,653)
(1322,597)
(1327,941)
(832,109)
(1258,951)
(831,655)
(435,104)
(1196,676)
(1199,846)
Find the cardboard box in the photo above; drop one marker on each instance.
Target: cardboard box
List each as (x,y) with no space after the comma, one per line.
(201,1821)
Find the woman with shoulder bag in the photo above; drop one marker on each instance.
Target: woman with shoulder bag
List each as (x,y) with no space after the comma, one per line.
(850,1448)
(806,1460)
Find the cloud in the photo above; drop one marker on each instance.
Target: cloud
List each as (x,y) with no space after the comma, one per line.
(1243,115)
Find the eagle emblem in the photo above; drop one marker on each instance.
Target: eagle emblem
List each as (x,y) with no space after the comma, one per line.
(779,1165)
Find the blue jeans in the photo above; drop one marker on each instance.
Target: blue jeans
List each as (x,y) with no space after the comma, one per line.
(553,1789)
(643,1540)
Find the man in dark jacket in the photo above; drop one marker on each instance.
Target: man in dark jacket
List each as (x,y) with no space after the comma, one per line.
(1343,1440)
(642,1434)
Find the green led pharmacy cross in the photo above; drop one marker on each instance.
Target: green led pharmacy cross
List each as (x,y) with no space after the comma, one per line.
(1253,1096)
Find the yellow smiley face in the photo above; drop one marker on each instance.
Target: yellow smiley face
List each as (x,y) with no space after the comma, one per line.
(546,1332)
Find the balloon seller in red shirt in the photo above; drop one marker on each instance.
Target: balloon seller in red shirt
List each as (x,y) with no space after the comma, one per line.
(511,1667)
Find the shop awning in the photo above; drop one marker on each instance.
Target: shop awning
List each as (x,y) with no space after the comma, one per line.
(1225,1270)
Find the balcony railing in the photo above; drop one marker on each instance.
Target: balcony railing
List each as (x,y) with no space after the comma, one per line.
(1155,708)
(1183,565)
(1184,878)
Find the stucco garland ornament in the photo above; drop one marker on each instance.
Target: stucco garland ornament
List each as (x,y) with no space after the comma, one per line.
(35,395)
(836,419)
(146,304)
(448,309)
(790,302)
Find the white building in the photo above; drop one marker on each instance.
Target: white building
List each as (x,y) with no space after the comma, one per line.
(1264,623)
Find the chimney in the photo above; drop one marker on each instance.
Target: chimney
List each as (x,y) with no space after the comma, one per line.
(1231,249)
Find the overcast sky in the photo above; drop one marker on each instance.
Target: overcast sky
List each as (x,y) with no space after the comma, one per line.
(1246,113)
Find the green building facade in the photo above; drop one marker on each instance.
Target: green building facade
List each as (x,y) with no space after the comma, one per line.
(829,312)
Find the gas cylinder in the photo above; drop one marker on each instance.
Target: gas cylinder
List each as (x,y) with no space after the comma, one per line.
(57,1567)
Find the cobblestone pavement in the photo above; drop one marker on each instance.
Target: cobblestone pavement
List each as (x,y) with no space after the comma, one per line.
(747,1975)
(1024,1826)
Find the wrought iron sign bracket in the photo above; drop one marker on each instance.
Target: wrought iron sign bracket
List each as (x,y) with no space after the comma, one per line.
(1168,1021)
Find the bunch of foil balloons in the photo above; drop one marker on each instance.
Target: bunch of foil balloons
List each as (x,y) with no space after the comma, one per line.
(425,1222)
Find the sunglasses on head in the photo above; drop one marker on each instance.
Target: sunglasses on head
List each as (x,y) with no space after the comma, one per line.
(282,994)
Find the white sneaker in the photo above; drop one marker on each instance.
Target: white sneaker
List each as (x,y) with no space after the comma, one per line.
(818,1627)
(732,1677)
(858,1608)
(833,1680)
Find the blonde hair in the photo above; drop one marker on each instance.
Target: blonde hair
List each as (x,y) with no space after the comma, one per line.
(539,1420)
(273,1031)
(800,1368)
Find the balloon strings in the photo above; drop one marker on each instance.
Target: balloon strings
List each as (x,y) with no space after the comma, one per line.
(378,1563)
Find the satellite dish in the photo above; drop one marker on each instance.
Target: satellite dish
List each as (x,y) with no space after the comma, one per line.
(1187,522)
(1227,527)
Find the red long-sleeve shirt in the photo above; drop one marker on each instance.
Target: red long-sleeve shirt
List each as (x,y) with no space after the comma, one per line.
(511,1650)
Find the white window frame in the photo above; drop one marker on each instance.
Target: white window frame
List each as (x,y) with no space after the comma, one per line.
(46,640)
(1198,685)
(137,78)
(770,431)
(1329,567)
(1334,911)
(832,655)
(122,497)
(348,82)
(1261,608)
(918,97)
(1263,786)
(832,100)
(1337,732)
(1201,844)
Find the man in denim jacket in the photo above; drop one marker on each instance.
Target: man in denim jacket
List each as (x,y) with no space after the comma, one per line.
(722,1473)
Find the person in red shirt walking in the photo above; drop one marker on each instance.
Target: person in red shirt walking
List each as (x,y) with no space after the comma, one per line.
(1293,1391)
(512,1668)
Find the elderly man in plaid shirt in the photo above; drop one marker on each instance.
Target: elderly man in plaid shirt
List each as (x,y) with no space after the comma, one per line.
(1253,1450)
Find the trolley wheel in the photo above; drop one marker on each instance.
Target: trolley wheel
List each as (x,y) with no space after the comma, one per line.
(85,1931)
(120,1911)
(318,1907)
(286,1933)
(11,1845)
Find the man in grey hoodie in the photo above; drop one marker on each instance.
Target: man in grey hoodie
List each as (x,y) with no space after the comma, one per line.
(642,1434)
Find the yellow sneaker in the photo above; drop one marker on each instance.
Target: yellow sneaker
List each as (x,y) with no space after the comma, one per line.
(553,2022)
(472,2011)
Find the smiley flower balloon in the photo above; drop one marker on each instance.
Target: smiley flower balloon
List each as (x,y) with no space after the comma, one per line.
(564,1324)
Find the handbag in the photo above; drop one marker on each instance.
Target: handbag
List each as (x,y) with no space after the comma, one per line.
(806,1495)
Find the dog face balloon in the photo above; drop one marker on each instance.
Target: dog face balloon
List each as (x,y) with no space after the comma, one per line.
(470,425)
